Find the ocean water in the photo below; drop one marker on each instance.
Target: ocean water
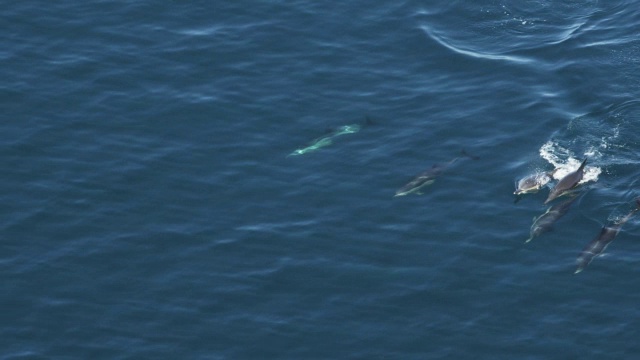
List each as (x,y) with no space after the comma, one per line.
(151,209)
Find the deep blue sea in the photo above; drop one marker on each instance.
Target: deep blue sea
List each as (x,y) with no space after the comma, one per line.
(154,205)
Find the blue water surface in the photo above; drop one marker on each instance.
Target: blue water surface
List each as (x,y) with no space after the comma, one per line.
(151,210)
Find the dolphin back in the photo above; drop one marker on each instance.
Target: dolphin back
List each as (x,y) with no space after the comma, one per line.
(567,183)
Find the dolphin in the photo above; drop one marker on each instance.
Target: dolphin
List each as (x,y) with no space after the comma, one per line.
(567,183)
(533,182)
(544,222)
(327,139)
(428,177)
(314,145)
(600,243)
(424,179)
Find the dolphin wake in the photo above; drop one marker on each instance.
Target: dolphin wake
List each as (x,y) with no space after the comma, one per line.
(554,154)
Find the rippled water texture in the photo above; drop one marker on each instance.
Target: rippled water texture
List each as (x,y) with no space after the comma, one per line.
(151,210)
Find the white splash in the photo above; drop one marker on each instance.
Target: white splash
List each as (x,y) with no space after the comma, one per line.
(553,152)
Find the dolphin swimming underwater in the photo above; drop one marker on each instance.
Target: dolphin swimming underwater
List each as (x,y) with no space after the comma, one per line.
(327,139)
(428,177)
(544,222)
(600,243)
(424,179)
(567,183)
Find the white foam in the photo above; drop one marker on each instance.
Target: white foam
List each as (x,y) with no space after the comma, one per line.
(555,154)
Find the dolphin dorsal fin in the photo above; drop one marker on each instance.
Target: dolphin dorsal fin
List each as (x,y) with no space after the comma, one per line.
(584,162)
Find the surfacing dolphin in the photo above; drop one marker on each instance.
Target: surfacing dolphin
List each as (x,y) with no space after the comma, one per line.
(544,222)
(600,243)
(567,183)
(428,177)
(533,182)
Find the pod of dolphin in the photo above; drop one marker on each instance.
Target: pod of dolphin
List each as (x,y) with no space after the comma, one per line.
(566,186)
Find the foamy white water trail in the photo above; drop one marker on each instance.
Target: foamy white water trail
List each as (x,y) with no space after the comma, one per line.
(565,162)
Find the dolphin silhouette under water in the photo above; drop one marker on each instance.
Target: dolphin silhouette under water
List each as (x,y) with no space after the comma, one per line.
(544,222)
(327,139)
(428,177)
(330,134)
(596,246)
(424,179)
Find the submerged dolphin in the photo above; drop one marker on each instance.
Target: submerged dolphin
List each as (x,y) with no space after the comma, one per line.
(327,139)
(567,183)
(544,222)
(533,182)
(422,180)
(600,243)
(428,177)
